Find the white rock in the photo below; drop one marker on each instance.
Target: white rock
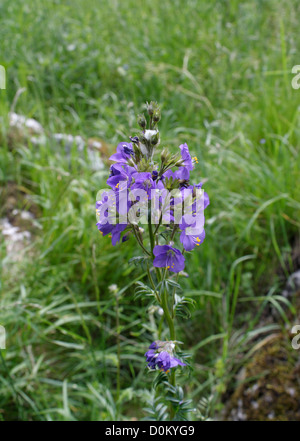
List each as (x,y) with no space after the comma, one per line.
(26,215)
(15,240)
(69,140)
(95,144)
(95,160)
(21,122)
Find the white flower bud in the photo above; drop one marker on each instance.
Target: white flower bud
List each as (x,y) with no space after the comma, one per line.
(149,133)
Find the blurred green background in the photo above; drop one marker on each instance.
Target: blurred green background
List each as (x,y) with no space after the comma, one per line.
(221,71)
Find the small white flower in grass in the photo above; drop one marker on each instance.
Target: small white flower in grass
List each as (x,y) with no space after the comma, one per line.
(113,288)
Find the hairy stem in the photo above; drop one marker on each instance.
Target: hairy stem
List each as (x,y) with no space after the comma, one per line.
(163,300)
(139,241)
(151,236)
(169,318)
(153,284)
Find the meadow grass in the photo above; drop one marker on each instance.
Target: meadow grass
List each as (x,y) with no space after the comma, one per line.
(221,71)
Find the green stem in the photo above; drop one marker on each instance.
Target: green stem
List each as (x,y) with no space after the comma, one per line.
(153,284)
(158,225)
(173,232)
(139,242)
(151,236)
(160,327)
(170,321)
(164,305)
(168,314)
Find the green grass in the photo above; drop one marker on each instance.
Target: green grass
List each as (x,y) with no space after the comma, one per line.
(221,71)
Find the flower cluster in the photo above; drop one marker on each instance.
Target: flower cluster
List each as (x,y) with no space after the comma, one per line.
(160,355)
(152,187)
(147,189)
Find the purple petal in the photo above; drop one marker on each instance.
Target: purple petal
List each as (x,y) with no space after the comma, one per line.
(160,261)
(160,249)
(175,362)
(187,241)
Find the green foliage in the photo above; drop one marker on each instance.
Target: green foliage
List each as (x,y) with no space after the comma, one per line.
(157,412)
(183,305)
(221,71)
(143,290)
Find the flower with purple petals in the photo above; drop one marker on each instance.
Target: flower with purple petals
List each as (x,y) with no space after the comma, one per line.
(124,152)
(186,157)
(154,175)
(189,241)
(144,181)
(169,258)
(175,218)
(114,231)
(160,355)
(120,173)
(206,198)
(182,173)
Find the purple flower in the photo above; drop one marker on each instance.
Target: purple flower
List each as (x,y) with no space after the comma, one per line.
(189,241)
(161,204)
(182,174)
(120,173)
(160,355)
(144,181)
(150,354)
(193,204)
(105,228)
(106,213)
(166,361)
(206,198)
(114,231)
(168,257)
(153,345)
(154,175)
(105,208)
(134,139)
(116,169)
(186,157)
(124,152)
(126,236)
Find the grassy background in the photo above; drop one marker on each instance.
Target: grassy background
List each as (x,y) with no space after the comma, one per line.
(221,71)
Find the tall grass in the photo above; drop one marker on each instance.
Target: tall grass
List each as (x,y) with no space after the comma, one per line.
(222,73)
